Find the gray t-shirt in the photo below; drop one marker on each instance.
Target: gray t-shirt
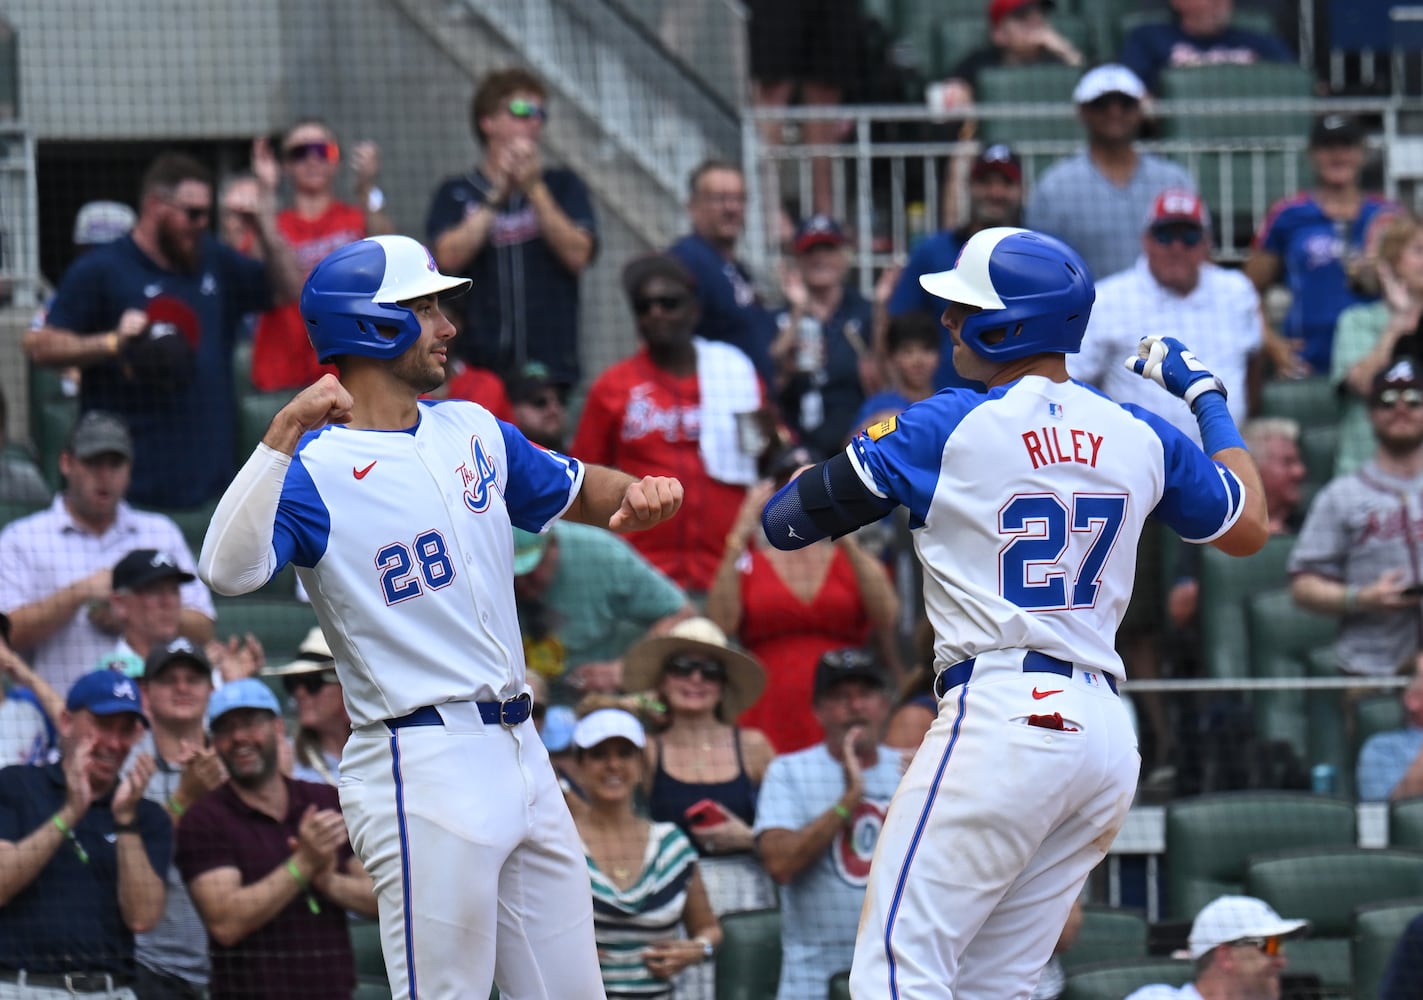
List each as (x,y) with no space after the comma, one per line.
(820,910)
(1359,527)
(178,946)
(1101,220)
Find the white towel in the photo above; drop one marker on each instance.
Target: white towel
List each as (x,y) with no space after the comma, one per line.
(728,384)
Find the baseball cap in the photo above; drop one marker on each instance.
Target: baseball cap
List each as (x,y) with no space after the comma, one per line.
(819,231)
(1402,374)
(607,724)
(179,649)
(143,567)
(248,692)
(1230,918)
(997,158)
(999,9)
(641,270)
(105,692)
(845,664)
(1176,206)
(312,656)
(99,433)
(528,381)
(1336,130)
(557,731)
(102,222)
(529,549)
(1110,78)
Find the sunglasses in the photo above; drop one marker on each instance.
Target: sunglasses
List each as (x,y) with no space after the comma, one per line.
(544,402)
(1411,398)
(686,666)
(1187,236)
(196,214)
(667,303)
(1269,945)
(521,108)
(1114,101)
(328,152)
(310,683)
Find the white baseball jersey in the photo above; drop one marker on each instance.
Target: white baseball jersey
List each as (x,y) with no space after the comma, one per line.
(1029,502)
(403,541)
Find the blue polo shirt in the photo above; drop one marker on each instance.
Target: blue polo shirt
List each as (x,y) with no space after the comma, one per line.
(67,919)
(523,305)
(732,310)
(934,253)
(183,440)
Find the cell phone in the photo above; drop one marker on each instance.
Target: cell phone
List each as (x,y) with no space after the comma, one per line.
(1413,590)
(706,812)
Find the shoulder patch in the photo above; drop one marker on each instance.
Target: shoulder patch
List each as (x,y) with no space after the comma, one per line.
(879,430)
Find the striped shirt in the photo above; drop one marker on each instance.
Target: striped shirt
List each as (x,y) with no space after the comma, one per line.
(625,921)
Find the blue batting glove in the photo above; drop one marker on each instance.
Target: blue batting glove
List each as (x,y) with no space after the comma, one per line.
(1168,363)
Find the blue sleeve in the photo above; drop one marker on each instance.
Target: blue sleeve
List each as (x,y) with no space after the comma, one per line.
(303,524)
(1202,497)
(572,196)
(1403,980)
(1379,768)
(245,284)
(901,458)
(445,211)
(81,302)
(1277,237)
(908,297)
(540,483)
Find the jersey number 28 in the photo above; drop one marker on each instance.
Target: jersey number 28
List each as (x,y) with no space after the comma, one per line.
(1039,524)
(403,567)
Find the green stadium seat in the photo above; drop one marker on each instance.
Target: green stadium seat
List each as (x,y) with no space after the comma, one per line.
(365,942)
(242,368)
(956,37)
(14,511)
(371,991)
(254,414)
(1036,84)
(192,522)
(1377,928)
(1318,447)
(279,625)
(1108,934)
(1405,824)
(1325,887)
(1282,635)
(840,986)
(1114,980)
(1310,402)
(1210,839)
(1226,583)
(748,964)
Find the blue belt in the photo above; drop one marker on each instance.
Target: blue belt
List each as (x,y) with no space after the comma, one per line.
(510,712)
(1033,663)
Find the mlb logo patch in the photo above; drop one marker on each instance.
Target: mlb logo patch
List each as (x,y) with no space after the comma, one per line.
(1054,410)
(1087,675)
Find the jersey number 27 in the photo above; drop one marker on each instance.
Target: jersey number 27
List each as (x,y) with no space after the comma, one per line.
(1039,525)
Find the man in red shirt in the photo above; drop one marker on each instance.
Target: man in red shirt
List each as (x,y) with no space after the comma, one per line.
(314,225)
(681,406)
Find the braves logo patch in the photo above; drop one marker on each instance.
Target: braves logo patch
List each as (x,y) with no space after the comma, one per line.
(481,480)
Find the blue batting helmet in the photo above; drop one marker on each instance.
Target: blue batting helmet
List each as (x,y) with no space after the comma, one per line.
(357,289)
(1032,287)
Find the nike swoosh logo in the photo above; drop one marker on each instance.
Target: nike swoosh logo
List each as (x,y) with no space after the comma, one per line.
(1040,695)
(361,473)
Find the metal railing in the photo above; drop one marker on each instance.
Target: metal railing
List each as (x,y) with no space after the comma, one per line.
(880,189)
(19,216)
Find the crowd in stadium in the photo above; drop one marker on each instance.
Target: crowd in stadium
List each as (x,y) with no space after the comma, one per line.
(728,720)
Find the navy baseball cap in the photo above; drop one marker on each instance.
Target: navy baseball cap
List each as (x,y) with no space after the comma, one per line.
(819,231)
(245,693)
(144,567)
(105,692)
(161,657)
(843,665)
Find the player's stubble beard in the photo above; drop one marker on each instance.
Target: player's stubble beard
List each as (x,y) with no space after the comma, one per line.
(419,369)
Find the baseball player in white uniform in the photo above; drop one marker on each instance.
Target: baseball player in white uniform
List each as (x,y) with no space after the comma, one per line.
(1026,505)
(397,513)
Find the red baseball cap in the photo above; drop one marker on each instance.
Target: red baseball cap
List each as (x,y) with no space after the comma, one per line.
(1178,205)
(999,9)
(997,158)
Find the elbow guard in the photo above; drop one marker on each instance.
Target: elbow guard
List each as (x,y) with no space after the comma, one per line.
(825,501)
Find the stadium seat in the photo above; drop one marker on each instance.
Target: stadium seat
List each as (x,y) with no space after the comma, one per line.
(1035,84)
(956,37)
(192,522)
(840,986)
(748,963)
(1318,446)
(1325,887)
(279,625)
(1311,402)
(371,991)
(1377,928)
(1210,839)
(365,942)
(1405,824)
(1108,934)
(1114,980)
(1282,635)
(1226,582)
(14,511)
(255,413)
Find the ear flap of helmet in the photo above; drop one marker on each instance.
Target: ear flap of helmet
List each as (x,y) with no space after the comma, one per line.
(337,306)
